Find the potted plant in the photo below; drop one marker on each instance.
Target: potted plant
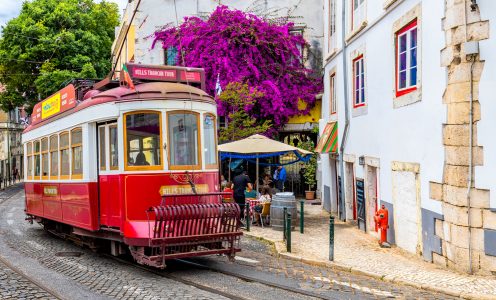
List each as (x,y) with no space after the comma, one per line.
(310,170)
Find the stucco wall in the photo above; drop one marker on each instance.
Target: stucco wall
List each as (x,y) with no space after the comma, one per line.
(412,133)
(484,175)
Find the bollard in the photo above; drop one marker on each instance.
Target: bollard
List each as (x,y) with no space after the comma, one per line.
(331,238)
(302,213)
(288,233)
(284,216)
(247,217)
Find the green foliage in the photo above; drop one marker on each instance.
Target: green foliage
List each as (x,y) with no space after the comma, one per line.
(310,170)
(238,96)
(51,42)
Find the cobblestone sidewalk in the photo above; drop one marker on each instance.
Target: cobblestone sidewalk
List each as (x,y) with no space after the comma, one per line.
(359,252)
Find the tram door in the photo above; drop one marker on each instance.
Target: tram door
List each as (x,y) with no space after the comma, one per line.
(108,170)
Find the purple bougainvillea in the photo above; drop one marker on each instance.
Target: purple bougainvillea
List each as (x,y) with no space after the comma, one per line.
(241,47)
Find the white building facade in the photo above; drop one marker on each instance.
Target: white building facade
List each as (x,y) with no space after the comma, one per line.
(399,90)
(134,37)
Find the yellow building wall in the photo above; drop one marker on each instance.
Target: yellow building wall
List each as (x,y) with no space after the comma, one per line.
(312,117)
(130,41)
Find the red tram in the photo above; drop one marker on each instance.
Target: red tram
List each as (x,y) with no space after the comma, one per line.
(136,167)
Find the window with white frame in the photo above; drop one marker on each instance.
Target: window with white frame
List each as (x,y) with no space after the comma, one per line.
(358,82)
(357,13)
(406,59)
(332,25)
(332,89)
(299,31)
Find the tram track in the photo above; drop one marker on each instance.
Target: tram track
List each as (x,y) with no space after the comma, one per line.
(176,278)
(9,193)
(246,278)
(31,280)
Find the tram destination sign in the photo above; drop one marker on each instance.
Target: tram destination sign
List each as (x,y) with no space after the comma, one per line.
(166,73)
(57,103)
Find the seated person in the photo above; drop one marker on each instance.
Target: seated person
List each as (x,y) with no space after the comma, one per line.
(264,198)
(250,194)
(141,160)
(228,189)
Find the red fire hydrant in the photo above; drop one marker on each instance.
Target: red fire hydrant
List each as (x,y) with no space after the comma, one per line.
(382,224)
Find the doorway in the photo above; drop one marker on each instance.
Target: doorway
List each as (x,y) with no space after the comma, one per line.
(406,203)
(371,197)
(350,200)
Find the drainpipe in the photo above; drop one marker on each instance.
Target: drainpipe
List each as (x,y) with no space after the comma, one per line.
(342,211)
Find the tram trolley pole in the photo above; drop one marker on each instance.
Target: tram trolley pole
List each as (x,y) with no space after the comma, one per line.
(331,238)
(284,217)
(302,216)
(288,233)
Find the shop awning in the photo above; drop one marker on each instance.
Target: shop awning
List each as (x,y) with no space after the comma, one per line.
(328,142)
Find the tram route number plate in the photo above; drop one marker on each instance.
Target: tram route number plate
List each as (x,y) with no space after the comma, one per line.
(182,189)
(50,191)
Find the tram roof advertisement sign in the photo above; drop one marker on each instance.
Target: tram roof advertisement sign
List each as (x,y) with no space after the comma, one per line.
(165,73)
(57,103)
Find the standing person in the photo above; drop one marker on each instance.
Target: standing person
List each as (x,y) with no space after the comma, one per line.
(16,174)
(280,177)
(241,182)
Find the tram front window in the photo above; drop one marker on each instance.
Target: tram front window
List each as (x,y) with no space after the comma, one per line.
(143,139)
(183,135)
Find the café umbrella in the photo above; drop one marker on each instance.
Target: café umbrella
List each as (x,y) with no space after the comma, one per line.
(258,146)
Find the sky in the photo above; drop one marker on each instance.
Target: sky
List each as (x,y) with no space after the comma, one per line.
(10,8)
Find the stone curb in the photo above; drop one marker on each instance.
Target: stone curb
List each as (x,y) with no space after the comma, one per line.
(343,267)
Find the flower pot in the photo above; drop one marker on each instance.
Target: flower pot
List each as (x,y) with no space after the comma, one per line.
(310,195)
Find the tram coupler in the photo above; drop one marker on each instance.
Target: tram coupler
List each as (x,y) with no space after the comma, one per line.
(30,219)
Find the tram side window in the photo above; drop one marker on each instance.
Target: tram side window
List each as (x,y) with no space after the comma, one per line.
(77,152)
(44,158)
(183,139)
(209,136)
(114,154)
(54,157)
(143,139)
(30,160)
(64,155)
(37,162)
(101,137)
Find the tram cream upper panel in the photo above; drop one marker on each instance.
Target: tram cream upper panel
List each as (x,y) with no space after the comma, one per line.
(87,119)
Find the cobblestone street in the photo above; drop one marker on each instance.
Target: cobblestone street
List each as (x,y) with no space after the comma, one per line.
(64,270)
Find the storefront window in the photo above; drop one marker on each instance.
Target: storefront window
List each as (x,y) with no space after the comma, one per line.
(209,136)
(183,139)
(54,156)
(114,154)
(143,139)
(77,152)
